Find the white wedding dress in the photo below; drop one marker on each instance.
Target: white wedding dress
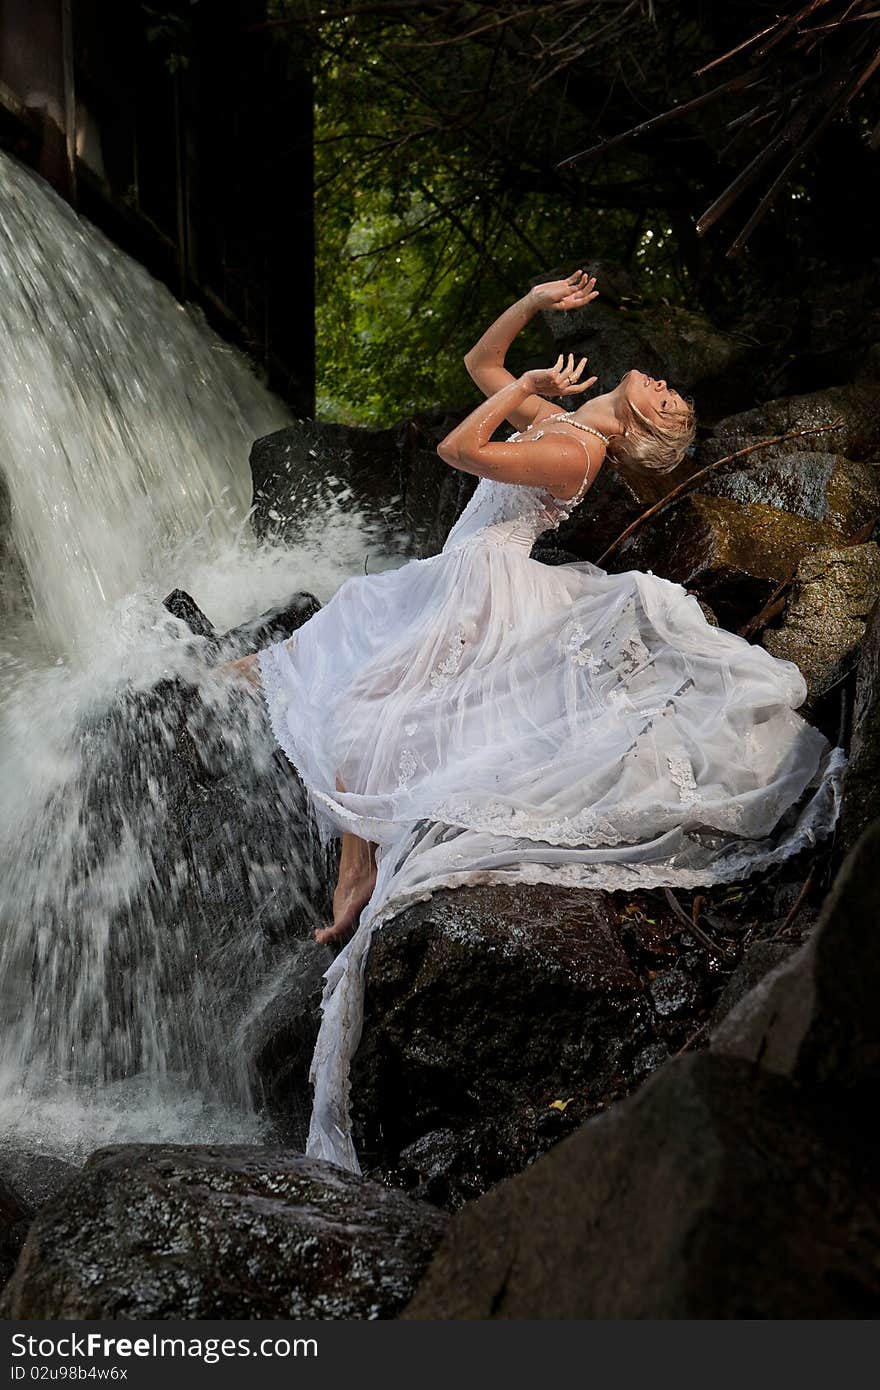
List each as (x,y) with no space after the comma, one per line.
(496,719)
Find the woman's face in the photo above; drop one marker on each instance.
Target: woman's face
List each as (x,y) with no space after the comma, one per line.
(651,395)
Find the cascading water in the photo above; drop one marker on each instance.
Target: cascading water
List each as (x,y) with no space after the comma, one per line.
(153,855)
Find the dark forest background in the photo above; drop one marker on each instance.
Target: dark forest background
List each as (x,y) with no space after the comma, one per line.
(445,183)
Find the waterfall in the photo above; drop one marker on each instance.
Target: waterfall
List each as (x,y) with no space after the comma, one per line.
(157,878)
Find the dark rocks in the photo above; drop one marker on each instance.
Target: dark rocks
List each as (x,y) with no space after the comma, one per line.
(861,787)
(193,879)
(407,496)
(715,1191)
(736,1183)
(815,1018)
(825,614)
(756,962)
(733,555)
(672,992)
(232,1232)
(858,437)
(15,1217)
(482,1001)
(842,493)
(33,1176)
(498,1017)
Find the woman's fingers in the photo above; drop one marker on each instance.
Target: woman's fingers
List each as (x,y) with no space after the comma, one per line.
(585,385)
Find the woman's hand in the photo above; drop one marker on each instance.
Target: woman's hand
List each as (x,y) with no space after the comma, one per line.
(572,293)
(558,380)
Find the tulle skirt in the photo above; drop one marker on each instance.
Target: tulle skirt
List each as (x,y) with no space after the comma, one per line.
(551,705)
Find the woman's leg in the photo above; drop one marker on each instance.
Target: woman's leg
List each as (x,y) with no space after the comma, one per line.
(354,888)
(357,863)
(247,665)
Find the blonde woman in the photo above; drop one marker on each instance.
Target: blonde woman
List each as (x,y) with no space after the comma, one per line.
(587,718)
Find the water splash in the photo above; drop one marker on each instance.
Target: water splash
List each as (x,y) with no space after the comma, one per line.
(158,878)
(124,423)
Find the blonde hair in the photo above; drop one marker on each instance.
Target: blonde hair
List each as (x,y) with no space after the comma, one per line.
(649,444)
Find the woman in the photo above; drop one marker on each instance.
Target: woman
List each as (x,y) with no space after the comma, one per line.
(480,717)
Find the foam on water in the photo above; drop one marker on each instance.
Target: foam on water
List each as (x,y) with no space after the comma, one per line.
(125,429)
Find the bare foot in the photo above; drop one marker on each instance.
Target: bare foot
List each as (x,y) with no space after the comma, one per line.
(245,666)
(348,901)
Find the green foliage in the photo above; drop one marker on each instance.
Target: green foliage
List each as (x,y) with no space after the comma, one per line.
(441,194)
(429,225)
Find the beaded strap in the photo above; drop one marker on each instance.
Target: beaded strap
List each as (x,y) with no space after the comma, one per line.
(566,415)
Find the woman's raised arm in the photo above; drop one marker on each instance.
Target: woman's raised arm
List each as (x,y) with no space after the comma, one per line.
(485,360)
(556,462)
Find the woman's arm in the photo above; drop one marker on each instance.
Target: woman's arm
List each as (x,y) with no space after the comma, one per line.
(485,360)
(555,462)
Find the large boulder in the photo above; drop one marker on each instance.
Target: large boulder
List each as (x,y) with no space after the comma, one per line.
(858,436)
(861,787)
(841,492)
(716,1191)
(498,1016)
(192,881)
(814,1018)
(404,494)
(733,555)
(826,612)
(226,1232)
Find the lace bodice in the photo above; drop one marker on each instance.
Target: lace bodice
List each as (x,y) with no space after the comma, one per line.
(514,514)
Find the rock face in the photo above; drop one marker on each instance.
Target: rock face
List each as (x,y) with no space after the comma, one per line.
(714,1192)
(498,1017)
(15,1216)
(842,493)
(858,437)
(179,1231)
(861,801)
(826,613)
(737,1183)
(814,1019)
(409,497)
(732,554)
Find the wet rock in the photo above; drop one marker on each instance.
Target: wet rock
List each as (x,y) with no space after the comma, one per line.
(186,1231)
(756,962)
(672,991)
(174,1230)
(842,493)
(857,438)
(715,1191)
(33,1176)
(406,495)
(861,787)
(200,878)
(814,1018)
(15,1216)
(279,1040)
(825,615)
(480,1003)
(498,1017)
(732,555)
